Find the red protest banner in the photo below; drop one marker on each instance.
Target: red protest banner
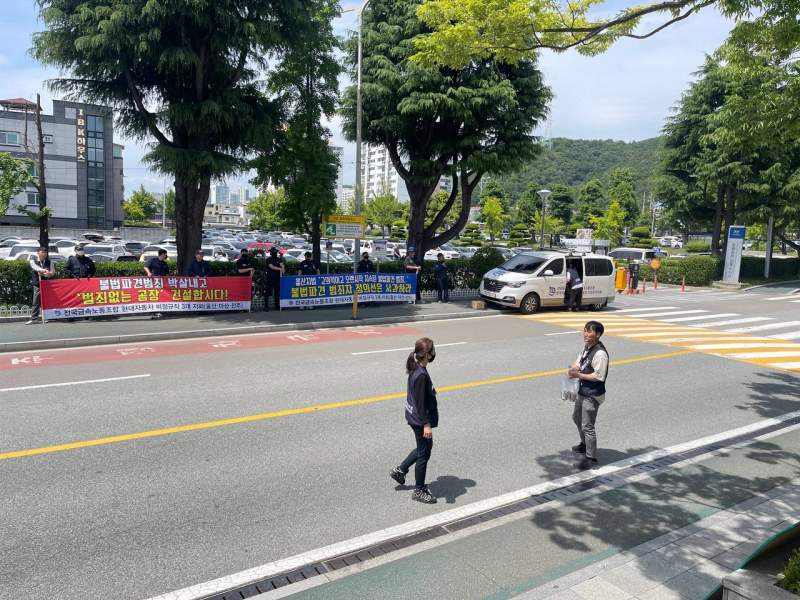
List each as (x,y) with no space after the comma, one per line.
(102,296)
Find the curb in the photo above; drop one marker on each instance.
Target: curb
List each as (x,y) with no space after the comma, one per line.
(244,330)
(761,285)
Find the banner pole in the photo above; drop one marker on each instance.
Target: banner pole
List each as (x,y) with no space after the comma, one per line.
(41,310)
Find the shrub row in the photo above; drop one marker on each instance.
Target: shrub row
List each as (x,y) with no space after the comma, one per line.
(15,278)
(698,270)
(698,246)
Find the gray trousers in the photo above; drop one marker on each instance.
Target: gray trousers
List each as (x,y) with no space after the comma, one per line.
(36,304)
(584,416)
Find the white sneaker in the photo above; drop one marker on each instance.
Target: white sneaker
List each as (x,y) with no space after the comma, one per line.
(31,322)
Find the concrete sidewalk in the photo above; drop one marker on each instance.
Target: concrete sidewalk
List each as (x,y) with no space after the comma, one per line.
(17,336)
(670,534)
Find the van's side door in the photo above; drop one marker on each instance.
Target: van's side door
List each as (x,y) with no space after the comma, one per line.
(553,287)
(597,279)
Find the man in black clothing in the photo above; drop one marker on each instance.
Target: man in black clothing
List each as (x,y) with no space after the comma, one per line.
(365,265)
(275,269)
(198,266)
(243,264)
(308,266)
(157,267)
(79,265)
(41,268)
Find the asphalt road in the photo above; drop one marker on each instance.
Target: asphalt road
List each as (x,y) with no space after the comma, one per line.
(84,514)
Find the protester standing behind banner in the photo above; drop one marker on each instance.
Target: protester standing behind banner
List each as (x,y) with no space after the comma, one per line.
(199,267)
(275,268)
(157,267)
(307,267)
(79,265)
(442,279)
(243,264)
(412,267)
(365,265)
(41,267)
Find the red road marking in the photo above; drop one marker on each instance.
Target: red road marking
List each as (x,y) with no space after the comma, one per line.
(196,346)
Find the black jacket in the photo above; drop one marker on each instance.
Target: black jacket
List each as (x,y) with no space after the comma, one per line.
(365,266)
(199,268)
(80,266)
(421,405)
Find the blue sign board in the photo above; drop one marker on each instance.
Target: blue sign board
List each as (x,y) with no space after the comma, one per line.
(736,232)
(324,290)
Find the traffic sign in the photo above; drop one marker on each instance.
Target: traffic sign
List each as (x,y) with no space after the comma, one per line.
(344,226)
(655,264)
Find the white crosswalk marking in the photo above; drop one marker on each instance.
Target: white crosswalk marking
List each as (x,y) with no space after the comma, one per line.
(649,315)
(774,298)
(792,335)
(731,322)
(700,318)
(737,345)
(776,354)
(766,327)
(632,310)
(674,332)
(680,340)
(786,365)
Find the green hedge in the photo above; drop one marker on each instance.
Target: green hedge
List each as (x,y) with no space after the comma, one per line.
(698,247)
(781,268)
(15,287)
(699,270)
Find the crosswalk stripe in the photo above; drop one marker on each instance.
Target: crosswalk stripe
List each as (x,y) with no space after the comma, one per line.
(794,301)
(780,325)
(792,335)
(682,340)
(700,318)
(737,345)
(732,322)
(631,310)
(774,298)
(672,332)
(669,313)
(786,365)
(776,354)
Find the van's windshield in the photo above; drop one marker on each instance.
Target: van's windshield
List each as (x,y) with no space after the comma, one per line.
(523,263)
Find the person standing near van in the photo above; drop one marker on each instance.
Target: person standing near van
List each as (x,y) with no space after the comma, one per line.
(422,415)
(592,370)
(574,288)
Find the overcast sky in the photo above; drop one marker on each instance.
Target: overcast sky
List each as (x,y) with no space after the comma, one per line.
(624,94)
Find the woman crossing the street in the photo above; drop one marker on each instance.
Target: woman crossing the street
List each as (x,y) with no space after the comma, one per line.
(422,414)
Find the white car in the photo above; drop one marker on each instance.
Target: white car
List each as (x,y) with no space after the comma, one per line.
(30,246)
(66,248)
(115,249)
(531,280)
(151,251)
(433,253)
(7,244)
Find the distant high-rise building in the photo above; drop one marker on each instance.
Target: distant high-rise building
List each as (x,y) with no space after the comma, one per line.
(346,195)
(222,194)
(378,175)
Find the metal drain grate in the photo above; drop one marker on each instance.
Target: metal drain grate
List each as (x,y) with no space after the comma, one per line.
(566,492)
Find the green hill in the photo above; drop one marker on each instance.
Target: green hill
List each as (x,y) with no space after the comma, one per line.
(574,162)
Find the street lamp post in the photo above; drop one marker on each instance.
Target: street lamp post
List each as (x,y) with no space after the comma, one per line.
(543,194)
(358,189)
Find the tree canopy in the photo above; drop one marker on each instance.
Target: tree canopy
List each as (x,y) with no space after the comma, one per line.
(458,123)
(15,174)
(182,76)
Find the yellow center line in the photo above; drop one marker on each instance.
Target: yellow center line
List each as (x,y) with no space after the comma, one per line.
(300,411)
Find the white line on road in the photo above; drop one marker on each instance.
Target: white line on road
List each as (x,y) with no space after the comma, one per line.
(792,335)
(700,318)
(742,345)
(780,325)
(564,333)
(406,348)
(784,297)
(630,310)
(66,383)
(265,571)
(673,332)
(786,365)
(774,354)
(670,313)
(731,322)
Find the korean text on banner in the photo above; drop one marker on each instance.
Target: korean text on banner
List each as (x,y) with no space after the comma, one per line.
(324,290)
(70,298)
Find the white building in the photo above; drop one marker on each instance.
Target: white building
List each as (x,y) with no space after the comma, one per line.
(378,175)
(222,194)
(346,195)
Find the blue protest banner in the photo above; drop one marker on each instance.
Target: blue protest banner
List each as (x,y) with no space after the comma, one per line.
(325,290)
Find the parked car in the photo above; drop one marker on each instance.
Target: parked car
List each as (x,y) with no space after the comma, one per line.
(433,253)
(152,250)
(93,236)
(7,244)
(468,251)
(136,248)
(26,256)
(66,247)
(531,280)
(28,246)
(637,255)
(115,250)
(101,257)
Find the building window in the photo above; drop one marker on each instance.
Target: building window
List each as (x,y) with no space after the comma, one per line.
(47,138)
(95,173)
(33,169)
(33,199)
(9,138)
(117,152)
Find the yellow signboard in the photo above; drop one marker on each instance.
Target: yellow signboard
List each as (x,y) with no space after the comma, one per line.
(344,226)
(655,264)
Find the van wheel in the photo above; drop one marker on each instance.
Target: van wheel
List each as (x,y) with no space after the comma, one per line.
(599,305)
(529,304)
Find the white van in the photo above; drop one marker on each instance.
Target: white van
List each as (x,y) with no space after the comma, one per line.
(531,280)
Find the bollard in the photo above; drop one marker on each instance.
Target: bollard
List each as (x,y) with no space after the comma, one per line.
(628,289)
(655,280)
(644,287)
(683,283)
(355,304)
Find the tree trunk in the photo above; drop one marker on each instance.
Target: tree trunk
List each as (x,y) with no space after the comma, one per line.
(417,207)
(44,225)
(717,226)
(316,236)
(190,204)
(730,214)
